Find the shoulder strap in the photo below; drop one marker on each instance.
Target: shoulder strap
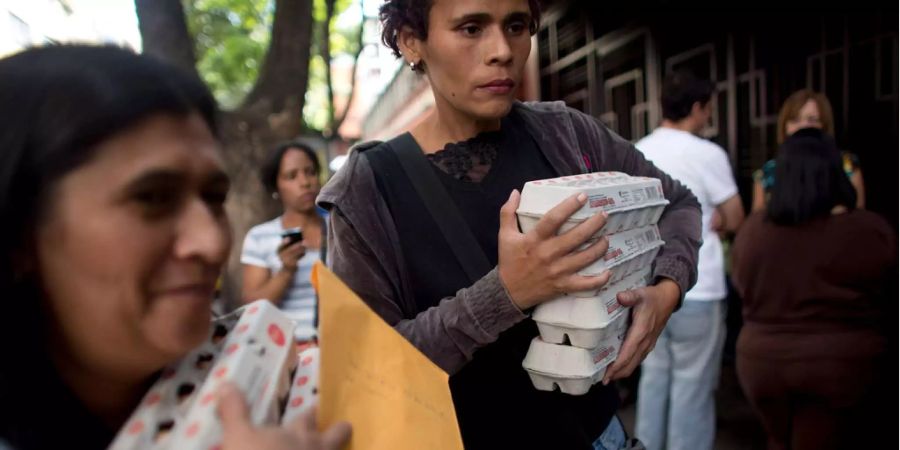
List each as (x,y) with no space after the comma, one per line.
(442,208)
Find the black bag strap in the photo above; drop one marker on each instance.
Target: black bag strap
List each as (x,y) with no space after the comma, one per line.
(442,208)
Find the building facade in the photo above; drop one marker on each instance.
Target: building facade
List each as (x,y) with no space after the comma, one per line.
(609,61)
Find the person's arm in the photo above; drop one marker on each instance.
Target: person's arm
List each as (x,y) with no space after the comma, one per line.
(258,280)
(738,261)
(759,196)
(719,186)
(731,214)
(856,179)
(258,283)
(533,267)
(449,333)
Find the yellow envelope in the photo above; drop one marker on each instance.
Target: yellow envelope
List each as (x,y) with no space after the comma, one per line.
(394,397)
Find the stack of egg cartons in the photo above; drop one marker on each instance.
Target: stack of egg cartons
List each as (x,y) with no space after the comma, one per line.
(251,348)
(581,332)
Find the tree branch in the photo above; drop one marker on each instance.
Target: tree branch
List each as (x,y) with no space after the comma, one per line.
(325,49)
(285,71)
(164,32)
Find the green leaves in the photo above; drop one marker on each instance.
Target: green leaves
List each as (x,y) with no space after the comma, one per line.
(231,38)
(230,41)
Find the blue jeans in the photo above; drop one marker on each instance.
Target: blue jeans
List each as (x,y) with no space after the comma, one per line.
(613,437)
(676,406)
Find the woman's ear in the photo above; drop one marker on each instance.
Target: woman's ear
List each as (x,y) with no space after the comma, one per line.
(410,46)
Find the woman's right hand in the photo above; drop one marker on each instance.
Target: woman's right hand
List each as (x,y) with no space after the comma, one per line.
(289,253)
(540,265)
(300,434)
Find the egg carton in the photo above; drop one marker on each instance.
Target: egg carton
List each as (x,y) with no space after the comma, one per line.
(586,338)
(629,201)
(623,269)
(616,221)
(572,370)
(252,348)
(623,247)
(305,385)
(586,322)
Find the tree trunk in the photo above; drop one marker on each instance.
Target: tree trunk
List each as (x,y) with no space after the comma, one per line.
(164,32)
(285,70)
(271,113)
(325,48)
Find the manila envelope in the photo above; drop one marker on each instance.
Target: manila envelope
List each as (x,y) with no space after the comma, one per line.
(393,396)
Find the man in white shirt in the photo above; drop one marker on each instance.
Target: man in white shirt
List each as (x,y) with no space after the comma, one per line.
(676,405)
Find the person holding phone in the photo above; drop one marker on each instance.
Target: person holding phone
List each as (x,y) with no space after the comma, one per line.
(278,255)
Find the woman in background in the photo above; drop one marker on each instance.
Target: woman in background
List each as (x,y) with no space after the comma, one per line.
(276,268)
(818,281)
(805,109)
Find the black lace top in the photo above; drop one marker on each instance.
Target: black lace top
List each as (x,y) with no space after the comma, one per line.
(469,160)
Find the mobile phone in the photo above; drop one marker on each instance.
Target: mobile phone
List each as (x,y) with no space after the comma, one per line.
(293,235)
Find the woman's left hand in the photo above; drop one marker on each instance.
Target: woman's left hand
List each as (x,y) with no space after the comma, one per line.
(651,308)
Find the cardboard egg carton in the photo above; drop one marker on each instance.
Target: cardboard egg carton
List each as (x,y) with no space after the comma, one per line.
(573,370)
(630,201)
(625,247)
(641,264)
(304,386)
(252,348)
(617,221)
(586,322)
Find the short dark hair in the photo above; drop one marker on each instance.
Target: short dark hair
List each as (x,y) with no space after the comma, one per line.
(809,179)
(268,173)
(57,104)
(397,14)
(680,91)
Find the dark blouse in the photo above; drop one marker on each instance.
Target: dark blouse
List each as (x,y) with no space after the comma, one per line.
(826,288)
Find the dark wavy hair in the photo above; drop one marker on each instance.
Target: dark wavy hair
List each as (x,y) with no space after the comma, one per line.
(809,179)
(397,14)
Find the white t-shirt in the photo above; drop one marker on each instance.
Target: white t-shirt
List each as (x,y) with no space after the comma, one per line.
(299,302)
(703,167)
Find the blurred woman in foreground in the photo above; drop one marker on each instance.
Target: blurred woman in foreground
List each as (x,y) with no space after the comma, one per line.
(113,235)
